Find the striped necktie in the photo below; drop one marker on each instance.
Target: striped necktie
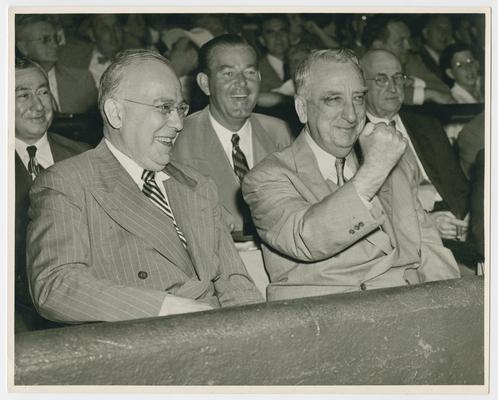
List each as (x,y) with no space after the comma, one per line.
(33,167)
(240,165)
(339,167)
(152,191)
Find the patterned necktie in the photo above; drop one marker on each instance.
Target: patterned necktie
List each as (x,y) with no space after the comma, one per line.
(33,167)
(339,167)
(240,165)
(152,191)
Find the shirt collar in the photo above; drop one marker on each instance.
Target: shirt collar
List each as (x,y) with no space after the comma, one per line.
(326,161)
(432,53)
(43,151)
(133,169)
(227,132)
(277,64)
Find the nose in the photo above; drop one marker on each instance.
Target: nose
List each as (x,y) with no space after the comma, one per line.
(175,120)
(36,103)
(391,86)
(241,80)
(348,112)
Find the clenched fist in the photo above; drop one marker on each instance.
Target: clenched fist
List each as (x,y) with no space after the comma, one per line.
(382,147)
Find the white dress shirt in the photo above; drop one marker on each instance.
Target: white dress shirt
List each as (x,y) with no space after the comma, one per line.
(277,64)
(52,83)
(96,68)
(225,137)
(135,171)
(427,203)
(43,152)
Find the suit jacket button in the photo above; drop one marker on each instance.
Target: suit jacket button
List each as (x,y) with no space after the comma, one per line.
(351,231)
(363,286)
(357,227)
(361,224)
(419,253)
(142,275)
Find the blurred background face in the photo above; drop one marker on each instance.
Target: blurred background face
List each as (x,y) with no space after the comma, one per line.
(275,35)
(33,105)
(383,102)
(438,33)
(464,69)
(108,34)
(233,84)
(398,41)
(334,106)
(38,41)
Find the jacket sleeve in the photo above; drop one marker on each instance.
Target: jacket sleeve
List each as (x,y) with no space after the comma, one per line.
(293,221)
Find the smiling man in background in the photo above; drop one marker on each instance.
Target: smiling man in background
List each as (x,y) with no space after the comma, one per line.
(136,236)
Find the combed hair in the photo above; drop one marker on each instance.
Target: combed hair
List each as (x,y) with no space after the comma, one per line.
(376,28)
(24,20)
(112,76)
(269,17)
(303,72)
(22,62)
(227,40)
(449,52)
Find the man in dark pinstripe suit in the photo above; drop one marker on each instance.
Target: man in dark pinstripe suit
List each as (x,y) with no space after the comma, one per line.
(120,232)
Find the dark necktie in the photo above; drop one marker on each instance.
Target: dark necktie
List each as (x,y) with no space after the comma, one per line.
(33,167)
(240,165)
(339,167)
(152,191)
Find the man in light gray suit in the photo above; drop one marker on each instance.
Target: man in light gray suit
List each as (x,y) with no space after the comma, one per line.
(230,77)
(120,232)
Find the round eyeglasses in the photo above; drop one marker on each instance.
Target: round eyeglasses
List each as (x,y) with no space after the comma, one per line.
(165,108)
(382,80)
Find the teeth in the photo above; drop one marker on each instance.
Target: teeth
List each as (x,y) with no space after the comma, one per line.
(165,140)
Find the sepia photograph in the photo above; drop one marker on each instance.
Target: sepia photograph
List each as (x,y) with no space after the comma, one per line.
(248,200)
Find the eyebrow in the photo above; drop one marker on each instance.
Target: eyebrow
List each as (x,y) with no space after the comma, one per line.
(19,88)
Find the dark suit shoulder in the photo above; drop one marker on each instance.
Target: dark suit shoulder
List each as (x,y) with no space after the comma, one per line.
(70,144)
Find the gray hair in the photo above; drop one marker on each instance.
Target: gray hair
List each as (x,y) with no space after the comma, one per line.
(303,72)
(112,76)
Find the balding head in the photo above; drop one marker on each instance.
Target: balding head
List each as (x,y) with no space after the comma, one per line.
(385,82)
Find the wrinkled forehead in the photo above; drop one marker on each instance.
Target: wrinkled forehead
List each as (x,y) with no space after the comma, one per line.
(30,78)
(462,56)
(231,55)
(382,63)
(150,78)
(337,76)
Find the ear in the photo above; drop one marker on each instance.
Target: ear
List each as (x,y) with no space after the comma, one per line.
(203,82)
(114,113)
(449,73)
(301,108)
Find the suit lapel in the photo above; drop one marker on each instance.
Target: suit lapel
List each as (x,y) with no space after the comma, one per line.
(307,168)
(59,152)
(191,211)
(120,197)
(261,142)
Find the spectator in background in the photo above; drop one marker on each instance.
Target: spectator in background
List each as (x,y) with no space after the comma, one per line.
(390,32)
(443,189)
(72,87)
(459,64)
(36,149)
(226,134)
(437,34)
(276,40)
(107,38)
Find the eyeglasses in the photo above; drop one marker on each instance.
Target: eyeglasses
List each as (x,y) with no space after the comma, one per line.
(46,39)
(166,109)
(468,62)
(382,80)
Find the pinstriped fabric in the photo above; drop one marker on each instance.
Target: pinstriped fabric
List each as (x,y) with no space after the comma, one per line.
(240,165)
(152,191)
(99,249)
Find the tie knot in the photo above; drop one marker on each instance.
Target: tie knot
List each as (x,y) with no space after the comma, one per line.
(147,175)
(392,123)
(31,151)
(339,162)
(235,139)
